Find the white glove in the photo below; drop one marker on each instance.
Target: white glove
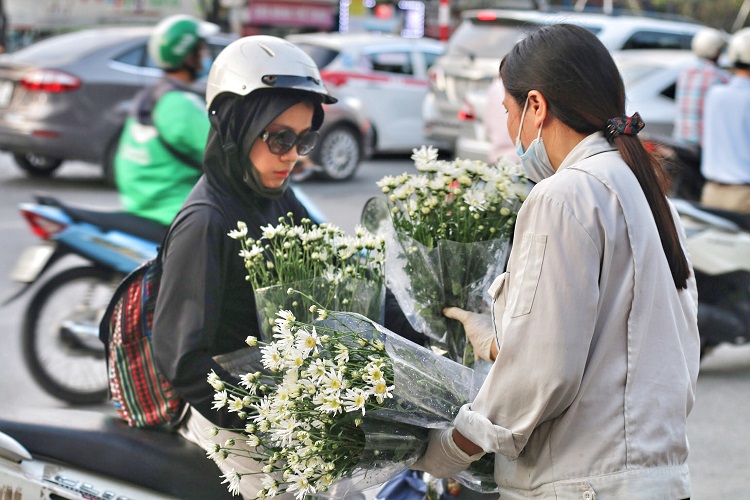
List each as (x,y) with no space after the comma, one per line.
(443,457)
(479,328)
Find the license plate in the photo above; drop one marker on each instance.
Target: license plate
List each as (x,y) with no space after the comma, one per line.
(6,93)
(31,262)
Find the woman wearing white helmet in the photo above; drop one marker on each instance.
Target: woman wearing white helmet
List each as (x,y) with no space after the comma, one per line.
(264,98)
(694,82)
(725,160)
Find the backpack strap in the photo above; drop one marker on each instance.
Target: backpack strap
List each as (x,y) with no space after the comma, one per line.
(137,274)
(143,109)
(134,275)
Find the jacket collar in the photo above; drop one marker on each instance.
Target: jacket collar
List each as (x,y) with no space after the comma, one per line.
(592,145)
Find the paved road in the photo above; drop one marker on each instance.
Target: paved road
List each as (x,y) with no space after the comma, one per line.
(718,428)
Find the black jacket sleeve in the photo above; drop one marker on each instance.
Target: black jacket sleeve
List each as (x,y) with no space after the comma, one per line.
(396,321)
(188,308)
(205,306)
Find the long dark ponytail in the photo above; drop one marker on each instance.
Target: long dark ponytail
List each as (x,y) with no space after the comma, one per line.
(583,88)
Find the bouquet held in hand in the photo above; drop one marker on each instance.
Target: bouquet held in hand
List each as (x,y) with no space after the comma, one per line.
(448,239)
(335,405)
(337,270)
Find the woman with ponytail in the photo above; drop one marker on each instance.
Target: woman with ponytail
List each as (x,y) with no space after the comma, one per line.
(594,339)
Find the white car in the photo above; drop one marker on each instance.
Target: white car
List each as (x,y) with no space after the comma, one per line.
(387,74)
(650,78)
(474,51)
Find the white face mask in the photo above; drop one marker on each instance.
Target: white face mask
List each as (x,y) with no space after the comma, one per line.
(534,160)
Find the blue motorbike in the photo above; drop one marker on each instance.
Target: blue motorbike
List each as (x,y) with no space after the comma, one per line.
(60,329)
(60,340)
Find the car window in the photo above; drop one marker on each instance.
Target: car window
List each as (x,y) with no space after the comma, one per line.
(321,55)
(65,46)
(215,48)
(392,62)
(670,91)
(139,56)
(631,73)
(429,58)
(133,57)
(486,39)
(645,39)
(148,62)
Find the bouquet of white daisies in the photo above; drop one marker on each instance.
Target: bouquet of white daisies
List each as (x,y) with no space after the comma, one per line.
(448,238)
(336,403)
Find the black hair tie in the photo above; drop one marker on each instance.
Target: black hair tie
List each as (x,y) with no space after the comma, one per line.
(624,124)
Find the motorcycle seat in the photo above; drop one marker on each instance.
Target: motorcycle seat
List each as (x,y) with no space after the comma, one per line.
(147,229)
(104,444)
(742,220)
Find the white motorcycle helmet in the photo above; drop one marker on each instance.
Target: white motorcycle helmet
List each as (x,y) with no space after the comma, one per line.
(708,43)
(739,48)
(261,61)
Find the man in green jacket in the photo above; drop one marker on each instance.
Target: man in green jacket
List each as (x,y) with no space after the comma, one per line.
(161,148)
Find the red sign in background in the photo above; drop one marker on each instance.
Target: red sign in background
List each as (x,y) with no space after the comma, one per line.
(291,14)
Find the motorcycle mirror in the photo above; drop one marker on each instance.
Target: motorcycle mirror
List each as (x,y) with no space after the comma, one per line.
(374,213)
(12,449)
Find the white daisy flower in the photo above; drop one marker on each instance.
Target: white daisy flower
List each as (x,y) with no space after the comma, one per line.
(220,399)
(240,232)
(233,478)
(355,400)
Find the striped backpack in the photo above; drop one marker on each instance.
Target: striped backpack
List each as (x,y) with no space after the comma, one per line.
(141,395)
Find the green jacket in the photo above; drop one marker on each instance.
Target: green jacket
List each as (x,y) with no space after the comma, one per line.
(152,181)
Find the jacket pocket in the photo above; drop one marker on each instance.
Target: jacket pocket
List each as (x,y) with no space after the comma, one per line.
(529,269)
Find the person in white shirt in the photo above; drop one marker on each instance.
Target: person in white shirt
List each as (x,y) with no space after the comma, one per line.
(725,158)
(594,330)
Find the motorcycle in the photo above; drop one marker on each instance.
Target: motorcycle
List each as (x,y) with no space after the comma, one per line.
(74,454)
(719,246)
(60,340)
(60,327)
(682,161)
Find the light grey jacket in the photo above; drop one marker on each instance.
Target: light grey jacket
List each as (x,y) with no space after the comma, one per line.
(599,351)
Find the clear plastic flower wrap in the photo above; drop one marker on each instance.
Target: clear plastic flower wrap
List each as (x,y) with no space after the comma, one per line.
(366,442)
(428,389)
(426,280)
(447,238)
(428,392)
(389,449)
(336,293)
(337,270)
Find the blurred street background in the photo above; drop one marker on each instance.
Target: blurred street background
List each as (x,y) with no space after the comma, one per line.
(427,84)
(718,429)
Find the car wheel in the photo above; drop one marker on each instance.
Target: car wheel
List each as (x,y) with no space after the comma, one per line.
(339,153)
(37,165)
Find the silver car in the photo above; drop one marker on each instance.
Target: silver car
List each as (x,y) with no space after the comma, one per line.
(387,74)
(475,49)
(650,78)
(66,98)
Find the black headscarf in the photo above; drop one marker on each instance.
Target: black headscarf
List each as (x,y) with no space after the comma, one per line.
(236,122)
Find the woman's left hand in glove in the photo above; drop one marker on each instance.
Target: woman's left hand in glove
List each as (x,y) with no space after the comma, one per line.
(480,330)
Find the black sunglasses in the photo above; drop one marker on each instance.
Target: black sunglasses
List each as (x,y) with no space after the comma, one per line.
(284,140)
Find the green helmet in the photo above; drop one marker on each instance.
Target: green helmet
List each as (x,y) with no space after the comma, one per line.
(175,37)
